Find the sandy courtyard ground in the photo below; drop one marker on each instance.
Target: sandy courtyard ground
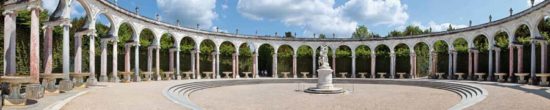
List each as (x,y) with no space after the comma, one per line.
(283,97)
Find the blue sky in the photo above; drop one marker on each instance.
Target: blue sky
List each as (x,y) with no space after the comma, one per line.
(305,17)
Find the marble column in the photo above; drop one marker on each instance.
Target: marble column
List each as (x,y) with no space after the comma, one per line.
(476,60)
(9,42)
(177,72)
(470,58)
(334,62)
(214,70)
(171,60)
(430,62)
(314,64)
(103,67)
(114,73)
(455,56)
(520,58)
(48,59)
(150,58)
(78,54)
(198,64)
(255,67)
(392,65)
(234,65)
(413,65)
(543,56)
(510,62)
(137,77)
(373,65)
(127,58)
(294,66)
(450,65)
(497,59)
(237,64)
(490,69)
(193,67)
(275,65)
(218,65)
(34,60)
(353,68)
(157,64)
(533,61)
(66,52)
(91,56)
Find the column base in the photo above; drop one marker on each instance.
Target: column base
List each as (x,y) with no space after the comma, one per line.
(114,79)
(34,91)
(137,78)
(49,86)
(178,77)
(103,78)
(91,81)
(79,82)
(65,85)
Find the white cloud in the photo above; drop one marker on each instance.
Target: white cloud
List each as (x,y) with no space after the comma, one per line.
(436,27)
(536,2)
(321,16)
(389,12)
(189,12)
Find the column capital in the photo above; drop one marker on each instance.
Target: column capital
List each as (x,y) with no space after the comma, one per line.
(9,12)
(497,49)
(35,7)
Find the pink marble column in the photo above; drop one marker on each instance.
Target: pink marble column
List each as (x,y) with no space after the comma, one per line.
(35,46)
(275,75)
(127,58)
(470,58)
(294,66)
(171,60)
(150,58)
(543,59)
(334,62)
(233,65)
(520,58)
(198,64)
(373,65)
(214,74)
(412,58)
(237,64)
(48,59)
(497,59)
(510,62)
(476,60)
(434,62)
(157,63)
(9,42)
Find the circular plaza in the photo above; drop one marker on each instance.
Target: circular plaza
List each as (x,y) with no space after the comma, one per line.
(53,60)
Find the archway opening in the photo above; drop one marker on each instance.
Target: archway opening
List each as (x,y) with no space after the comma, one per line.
(265,60)
(383,60)
(402,59)
(284,60)
(461,47)
(207,47)
(363,60)
(227,50)
(422,51)
(305,60)
(343,61)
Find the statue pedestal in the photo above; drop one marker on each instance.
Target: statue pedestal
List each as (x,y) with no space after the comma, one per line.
(324,84)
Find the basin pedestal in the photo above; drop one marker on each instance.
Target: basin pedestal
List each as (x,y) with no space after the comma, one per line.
(324,84)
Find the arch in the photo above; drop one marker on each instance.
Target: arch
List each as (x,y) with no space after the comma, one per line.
(343,61)
(501,43)
(363,59)
(125,32)
(305,60)
(104,26)
(207,47)
(227,50)
(402,58)
(146,37)
(522,34)
(422,52)
(284,59)
(265,60)
(441,47)
(383,59)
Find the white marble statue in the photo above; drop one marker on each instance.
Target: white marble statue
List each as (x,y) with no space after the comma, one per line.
(323,58)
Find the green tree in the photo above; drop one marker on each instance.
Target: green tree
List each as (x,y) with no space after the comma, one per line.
(289,35)
(395,33)
(361,32)
(322,36)
(412,30)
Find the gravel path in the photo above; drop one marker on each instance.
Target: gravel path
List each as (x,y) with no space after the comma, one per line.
(283,97)
(126,96)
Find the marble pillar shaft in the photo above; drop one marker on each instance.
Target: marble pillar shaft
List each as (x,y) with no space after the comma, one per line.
(392,65)
(314,64)
(450,65)
(476,61)
(127,58)
(171,61)
(413,65)
(470,64)
(497,60)
(91,57)
(78,54)
(48,54)
(198,64)
(237,64)
(178,70)
(255,65)
(114,72)
(520,59)
(214,73)
(137,78)
(157,63)
(275,66)
(9,42)
(455,56)
(294,66)
(533,60)
(543,56)
(334,62)
(35,46)
(490,68)
(218,65)
(373,65)
(150,59)
(66,52)
(353,68)
(510,62)
(103,66)
(234,65)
